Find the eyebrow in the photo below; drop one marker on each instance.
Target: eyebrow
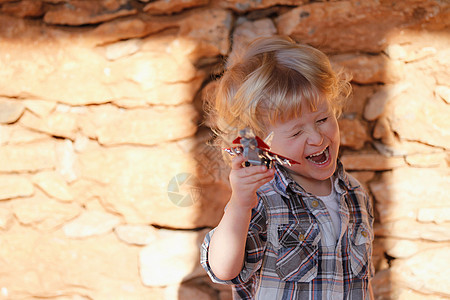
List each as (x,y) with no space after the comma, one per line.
(296,127)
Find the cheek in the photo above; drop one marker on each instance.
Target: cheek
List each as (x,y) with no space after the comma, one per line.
(333,132)
(288,148)
(295,148)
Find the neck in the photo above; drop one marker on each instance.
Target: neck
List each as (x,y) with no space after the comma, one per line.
(315,187)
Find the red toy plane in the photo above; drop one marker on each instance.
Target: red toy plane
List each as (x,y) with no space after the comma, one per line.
(256,151)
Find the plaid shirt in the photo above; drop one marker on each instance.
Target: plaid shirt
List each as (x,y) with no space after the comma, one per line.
(285,258)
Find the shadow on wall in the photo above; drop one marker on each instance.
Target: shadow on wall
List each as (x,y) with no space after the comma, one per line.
(106,178)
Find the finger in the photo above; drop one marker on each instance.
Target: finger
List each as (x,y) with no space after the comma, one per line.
(261,178)
(236,162)
(253,178)
(253,170)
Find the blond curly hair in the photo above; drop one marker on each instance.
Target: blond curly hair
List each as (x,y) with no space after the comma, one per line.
(268,82)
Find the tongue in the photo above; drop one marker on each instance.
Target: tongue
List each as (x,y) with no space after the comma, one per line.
(319,158)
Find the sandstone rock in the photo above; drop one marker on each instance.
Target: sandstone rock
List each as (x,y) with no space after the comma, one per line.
(402,293)
(138,178)
(164,77)
(219,291)
(383,131)
(16,134)
(43,213)
(171,259)
(190,32)
(247,31)
(162,7)
(421,54)
(441,72)
(91,223)
(30,157)
(353,133)
(437,215)
(371,162)
(136,234)
(15,186)
(6,215)
(401,52)
(128,28)
(149,76)
(415,118)
(54,185)
(86,12)
(66,161)
(355,26)
(396,51)
(88,191)
(210,28)
(360,94)
(378,254)
(443,92)
(397,147)
(434,263)
(10,111)
(73,269)
(188,291)
(24,8)
(408,229)
(244,6)
(367,69)
(376,105)
(211,167)
(381,284)
(403,248)
(386,287)
(399,194)
(164,94)
(139,126)
(428,160)
(123,48)
(57,124)
(40,108)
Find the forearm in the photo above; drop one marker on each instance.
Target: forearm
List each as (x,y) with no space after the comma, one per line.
(227,246)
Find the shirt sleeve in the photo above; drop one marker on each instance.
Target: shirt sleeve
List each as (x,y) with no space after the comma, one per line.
(254,248)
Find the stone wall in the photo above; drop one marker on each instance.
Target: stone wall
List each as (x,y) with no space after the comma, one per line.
(108,184)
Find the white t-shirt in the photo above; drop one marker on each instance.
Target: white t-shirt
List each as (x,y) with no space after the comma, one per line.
(331,231)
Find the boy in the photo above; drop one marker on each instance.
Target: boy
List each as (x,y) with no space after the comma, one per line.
(289,232)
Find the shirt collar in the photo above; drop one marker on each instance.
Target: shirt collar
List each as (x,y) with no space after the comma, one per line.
(283,181)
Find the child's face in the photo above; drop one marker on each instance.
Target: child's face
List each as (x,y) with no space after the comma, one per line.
(312,140)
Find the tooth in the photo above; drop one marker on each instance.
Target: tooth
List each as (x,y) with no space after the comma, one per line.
(317,154)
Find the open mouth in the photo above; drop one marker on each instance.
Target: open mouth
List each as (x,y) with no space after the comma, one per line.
(320,158)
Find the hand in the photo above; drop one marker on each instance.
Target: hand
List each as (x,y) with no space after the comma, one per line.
(246,180)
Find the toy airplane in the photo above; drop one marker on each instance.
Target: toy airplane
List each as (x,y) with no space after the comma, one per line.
(256,150)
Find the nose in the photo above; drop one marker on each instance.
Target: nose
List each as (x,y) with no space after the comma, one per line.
(315,137)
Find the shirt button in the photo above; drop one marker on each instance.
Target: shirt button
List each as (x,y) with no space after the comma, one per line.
(301,237)
(364,233)
(315,203)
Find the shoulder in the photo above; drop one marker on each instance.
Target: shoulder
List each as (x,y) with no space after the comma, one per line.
(349,181)
(353,183)
(358,195)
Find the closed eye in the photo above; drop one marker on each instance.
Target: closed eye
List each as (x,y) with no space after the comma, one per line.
(323,120)
(297,133)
